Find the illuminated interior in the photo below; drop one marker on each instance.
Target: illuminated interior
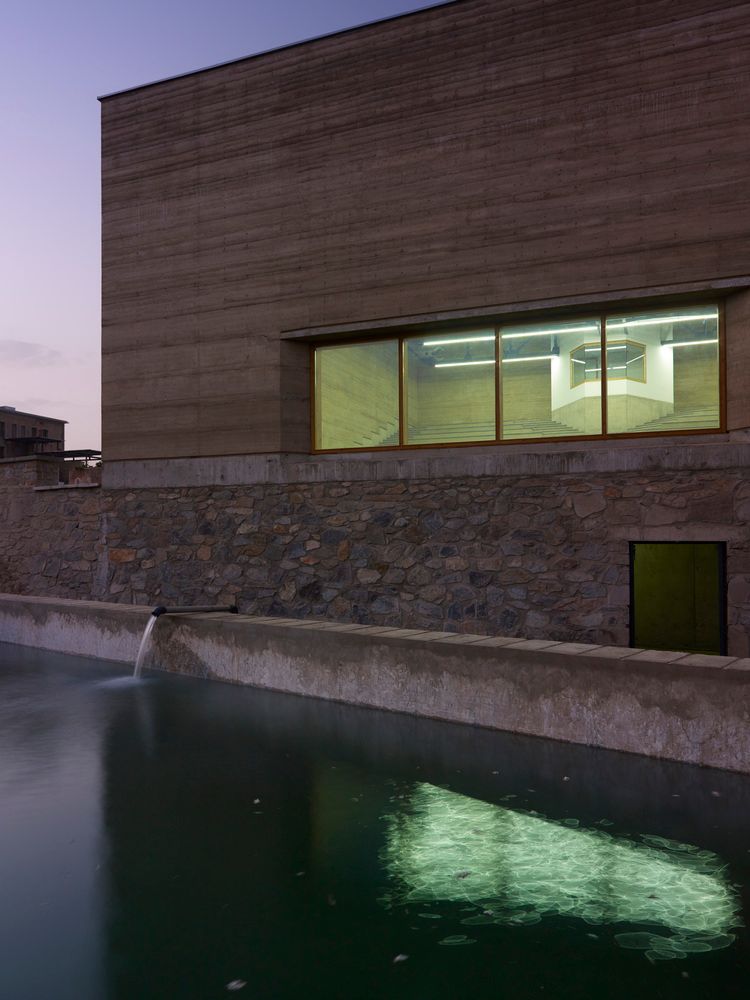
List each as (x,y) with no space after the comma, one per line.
(515,868)
(522,382)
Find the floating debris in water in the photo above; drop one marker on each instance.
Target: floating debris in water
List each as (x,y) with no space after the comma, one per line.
(256,802)
(400,958)
(457,939)
(236,984)
(481,918)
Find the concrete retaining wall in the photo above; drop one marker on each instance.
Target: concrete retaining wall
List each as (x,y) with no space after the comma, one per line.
(673,705)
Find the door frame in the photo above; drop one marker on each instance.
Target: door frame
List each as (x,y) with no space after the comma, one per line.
(722,551)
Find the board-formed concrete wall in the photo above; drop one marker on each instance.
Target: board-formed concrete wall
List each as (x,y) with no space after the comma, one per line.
(477,157)
(537,547)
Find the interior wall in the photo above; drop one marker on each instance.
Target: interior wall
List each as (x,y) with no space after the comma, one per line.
(695,377)
(452,397)
(360,397)
(526,391)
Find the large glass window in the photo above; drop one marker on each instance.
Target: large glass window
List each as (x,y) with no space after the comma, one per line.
(679,389)
(538,400)
(522,382)
(449,385)
(356,395)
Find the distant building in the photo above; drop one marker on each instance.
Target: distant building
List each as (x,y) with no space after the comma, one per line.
(24,434)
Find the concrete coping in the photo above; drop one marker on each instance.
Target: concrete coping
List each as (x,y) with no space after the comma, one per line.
(547,646)
(436,639)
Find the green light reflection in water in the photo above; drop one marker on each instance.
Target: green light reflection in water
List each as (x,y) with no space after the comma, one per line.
(516,868)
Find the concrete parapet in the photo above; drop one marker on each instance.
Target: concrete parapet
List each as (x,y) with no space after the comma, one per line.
(677,706)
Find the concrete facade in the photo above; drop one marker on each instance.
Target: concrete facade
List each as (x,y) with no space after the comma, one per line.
(687,708)
(474,160)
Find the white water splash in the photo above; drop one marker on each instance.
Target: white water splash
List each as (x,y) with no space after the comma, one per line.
(121,682)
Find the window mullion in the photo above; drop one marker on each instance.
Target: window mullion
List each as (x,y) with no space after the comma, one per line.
(401,395)
(603,342)
(498,385)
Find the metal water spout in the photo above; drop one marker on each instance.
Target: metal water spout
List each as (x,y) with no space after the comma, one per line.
(160,610)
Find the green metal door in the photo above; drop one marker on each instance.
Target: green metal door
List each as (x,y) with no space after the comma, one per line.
(678,596)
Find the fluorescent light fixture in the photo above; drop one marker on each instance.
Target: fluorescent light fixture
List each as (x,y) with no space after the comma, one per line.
(577,361)
(457,340)
(658,320)
(462,364)
(631,360)
(553,330)
(691,343)
(538,357)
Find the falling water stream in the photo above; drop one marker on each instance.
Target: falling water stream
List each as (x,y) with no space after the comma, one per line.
(143,648)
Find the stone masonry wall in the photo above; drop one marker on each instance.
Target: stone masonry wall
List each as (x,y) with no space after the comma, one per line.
(32,471)
(545,557)
(51,542)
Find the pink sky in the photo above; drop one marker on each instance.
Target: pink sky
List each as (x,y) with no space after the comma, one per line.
(55,58)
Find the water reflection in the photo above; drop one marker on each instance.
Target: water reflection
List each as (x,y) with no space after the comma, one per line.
(51,840)
(513,868)
(169,838)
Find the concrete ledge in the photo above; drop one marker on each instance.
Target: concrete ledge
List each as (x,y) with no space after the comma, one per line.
(677,706)
(702,450)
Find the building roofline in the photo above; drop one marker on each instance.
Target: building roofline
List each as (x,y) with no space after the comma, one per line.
(22,413)
(435,5)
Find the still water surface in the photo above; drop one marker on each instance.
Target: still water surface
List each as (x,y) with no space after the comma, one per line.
(173,838)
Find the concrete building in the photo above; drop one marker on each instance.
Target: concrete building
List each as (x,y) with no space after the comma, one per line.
(25,434)
(457,304)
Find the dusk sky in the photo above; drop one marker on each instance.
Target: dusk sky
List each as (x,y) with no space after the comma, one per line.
(55,59)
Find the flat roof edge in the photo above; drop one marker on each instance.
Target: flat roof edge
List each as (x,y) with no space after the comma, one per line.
(25,413)
(283,48)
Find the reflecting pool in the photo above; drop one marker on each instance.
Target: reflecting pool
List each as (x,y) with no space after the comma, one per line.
(177,838)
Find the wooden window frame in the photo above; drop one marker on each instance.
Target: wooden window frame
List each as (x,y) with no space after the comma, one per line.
(604,435)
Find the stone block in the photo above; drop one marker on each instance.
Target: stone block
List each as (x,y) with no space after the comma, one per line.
(586,504)
(122,555)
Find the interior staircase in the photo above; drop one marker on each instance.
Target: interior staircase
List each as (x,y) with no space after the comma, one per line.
(386,435)
(480,431)
(691,418)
